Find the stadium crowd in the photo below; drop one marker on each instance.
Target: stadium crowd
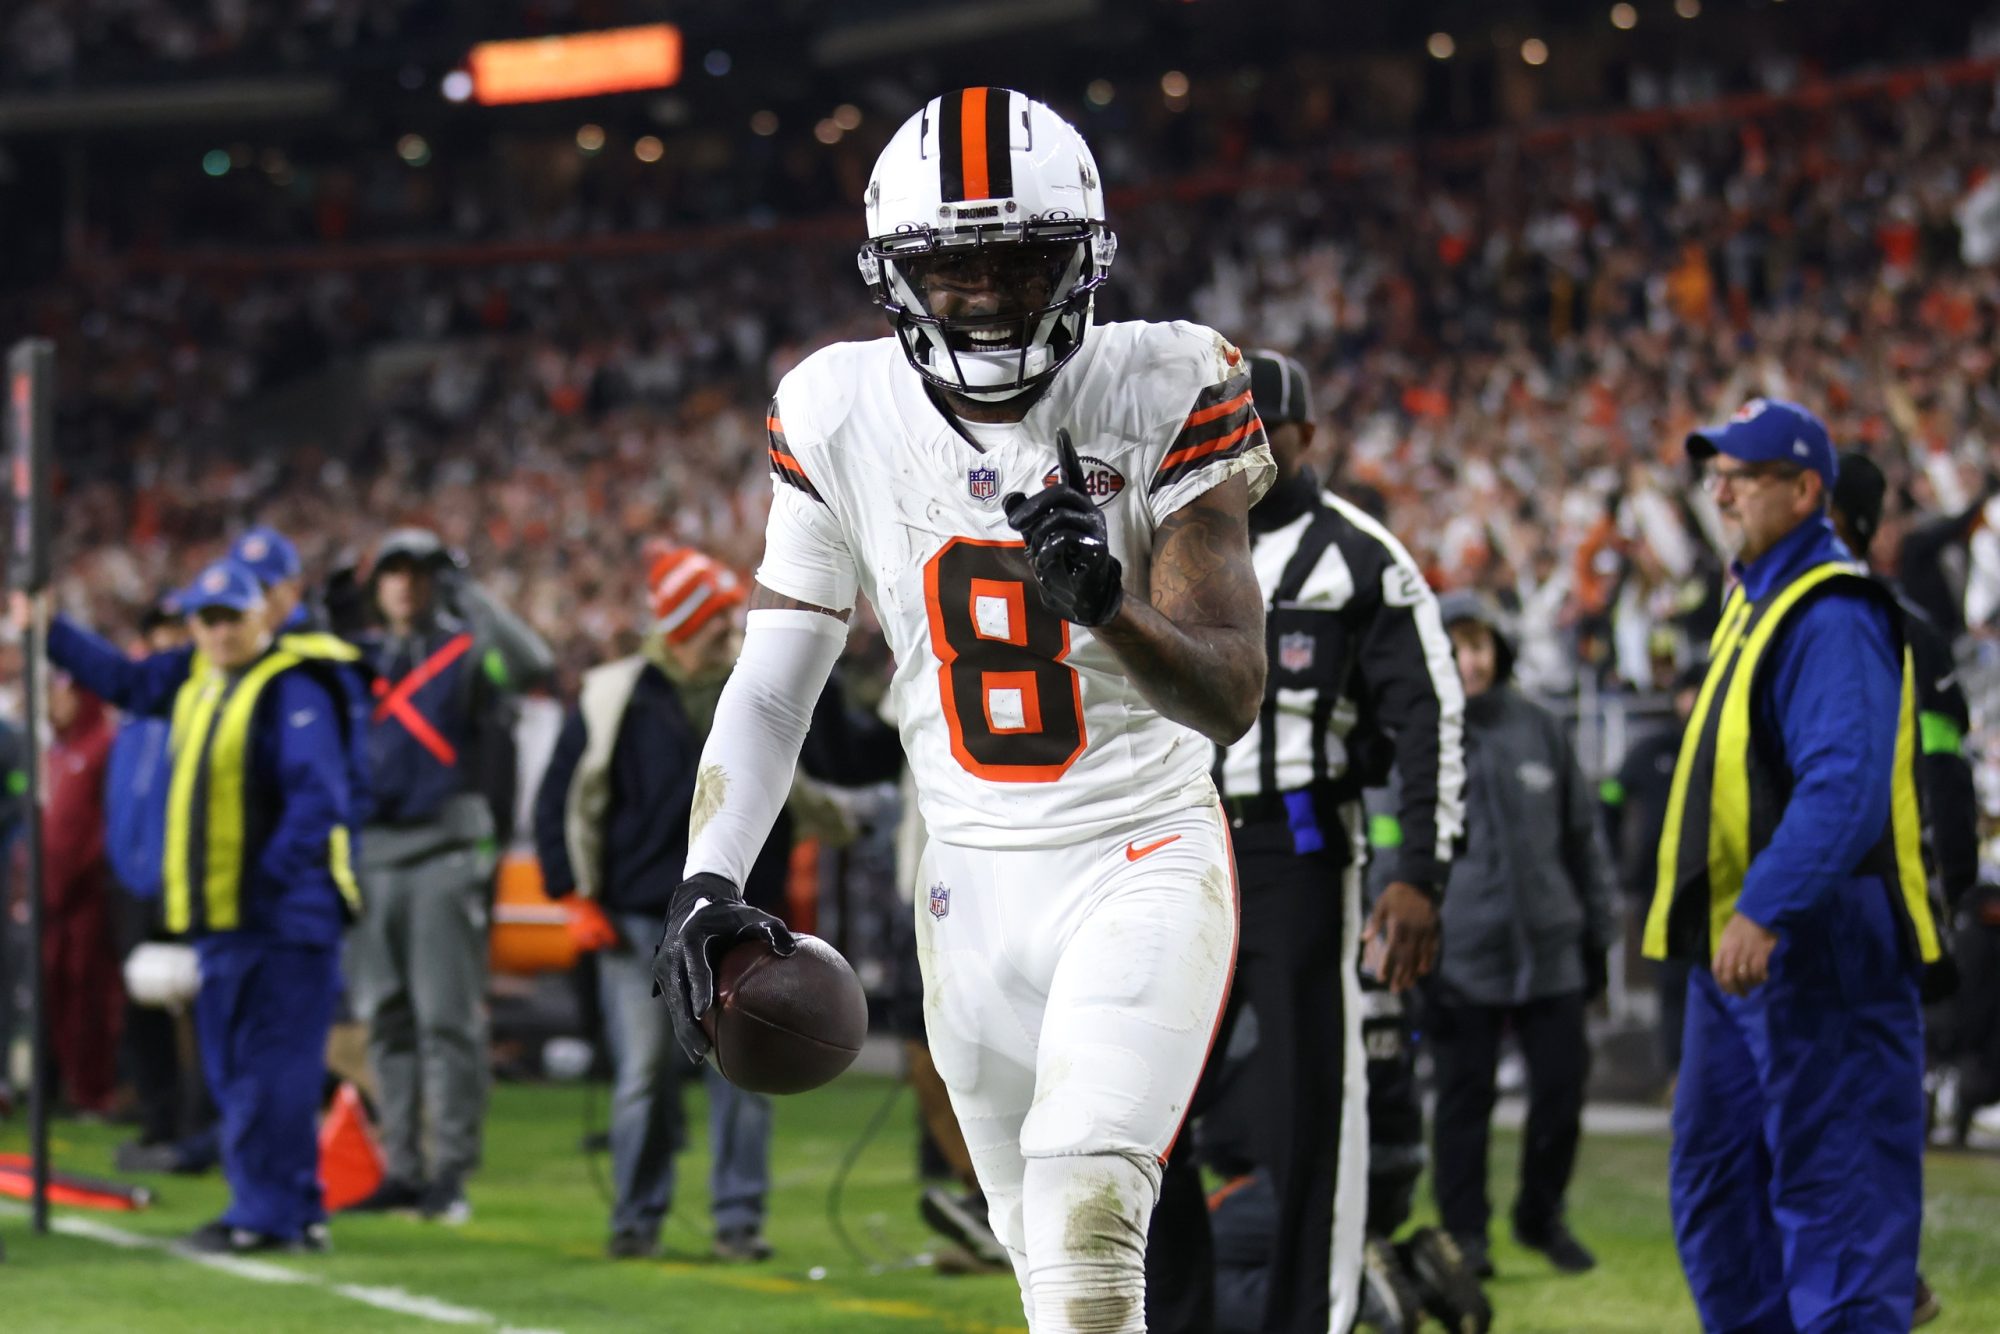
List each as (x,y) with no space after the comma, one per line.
(1601,296)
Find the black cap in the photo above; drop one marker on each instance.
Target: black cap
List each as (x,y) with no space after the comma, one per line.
(1278,387)
(1857,494)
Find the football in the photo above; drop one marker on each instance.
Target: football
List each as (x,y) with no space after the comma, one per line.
(785,1023)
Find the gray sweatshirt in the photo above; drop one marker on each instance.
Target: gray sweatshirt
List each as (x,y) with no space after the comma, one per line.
(1530,890)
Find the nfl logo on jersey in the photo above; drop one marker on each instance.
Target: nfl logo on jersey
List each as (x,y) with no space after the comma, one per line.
(940,900)
(984,484)
(1295,652)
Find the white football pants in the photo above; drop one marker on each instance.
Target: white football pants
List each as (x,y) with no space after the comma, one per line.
(1071,995)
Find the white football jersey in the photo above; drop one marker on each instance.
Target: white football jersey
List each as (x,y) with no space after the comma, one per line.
(1021,729)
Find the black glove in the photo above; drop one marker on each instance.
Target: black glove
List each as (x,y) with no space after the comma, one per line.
(706,917)
(1068,547)
(1596,971)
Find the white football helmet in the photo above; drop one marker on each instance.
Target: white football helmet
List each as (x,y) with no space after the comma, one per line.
(990,178)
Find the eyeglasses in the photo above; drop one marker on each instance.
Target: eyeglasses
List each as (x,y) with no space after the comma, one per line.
(1713,478)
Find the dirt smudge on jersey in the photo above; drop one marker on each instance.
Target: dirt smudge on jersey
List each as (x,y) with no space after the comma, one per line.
(711,787)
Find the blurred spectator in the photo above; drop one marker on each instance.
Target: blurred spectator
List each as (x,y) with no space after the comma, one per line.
(137,774)
(79,950)
(416,962)
(1527,923)
(611,827)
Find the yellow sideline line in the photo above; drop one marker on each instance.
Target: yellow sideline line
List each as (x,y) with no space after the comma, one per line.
(766,1284)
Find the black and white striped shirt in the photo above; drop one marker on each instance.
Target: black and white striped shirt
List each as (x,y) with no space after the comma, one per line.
(1357,651)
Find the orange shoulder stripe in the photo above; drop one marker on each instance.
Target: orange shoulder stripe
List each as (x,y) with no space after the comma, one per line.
(1189,453)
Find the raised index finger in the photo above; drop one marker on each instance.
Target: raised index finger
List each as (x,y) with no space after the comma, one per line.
(1072,466)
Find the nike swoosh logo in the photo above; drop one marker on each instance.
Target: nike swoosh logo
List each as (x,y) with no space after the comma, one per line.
(1133,852)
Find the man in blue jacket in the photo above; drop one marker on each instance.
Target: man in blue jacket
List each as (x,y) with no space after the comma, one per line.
(255,869)
(1791,876)
(270,555)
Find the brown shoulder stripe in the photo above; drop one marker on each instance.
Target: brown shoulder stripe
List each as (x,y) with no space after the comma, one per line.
(1223,424)
(784,466)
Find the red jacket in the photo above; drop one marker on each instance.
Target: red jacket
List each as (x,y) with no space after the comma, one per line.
(75,874)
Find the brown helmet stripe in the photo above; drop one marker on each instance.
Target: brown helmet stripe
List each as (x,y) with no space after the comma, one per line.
(973,161)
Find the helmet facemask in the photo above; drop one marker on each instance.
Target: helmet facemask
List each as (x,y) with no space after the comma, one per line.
(1044,274)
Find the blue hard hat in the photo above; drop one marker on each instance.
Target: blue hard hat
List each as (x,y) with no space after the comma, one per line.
(268,553)
(224,583)
(1770,430)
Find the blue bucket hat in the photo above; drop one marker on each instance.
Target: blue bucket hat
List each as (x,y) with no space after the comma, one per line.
(1770,430)
(224,583)
(268,554)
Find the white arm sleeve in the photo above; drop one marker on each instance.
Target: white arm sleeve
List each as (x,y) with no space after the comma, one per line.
(753,745)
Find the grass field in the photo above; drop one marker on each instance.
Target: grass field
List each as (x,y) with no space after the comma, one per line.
(529,1260)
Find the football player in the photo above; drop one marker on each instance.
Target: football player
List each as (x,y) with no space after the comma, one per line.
(1049,519)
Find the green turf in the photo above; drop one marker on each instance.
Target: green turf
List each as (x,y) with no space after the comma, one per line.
(531,1255)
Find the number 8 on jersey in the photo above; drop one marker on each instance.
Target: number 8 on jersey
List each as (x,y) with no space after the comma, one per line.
(1013,707)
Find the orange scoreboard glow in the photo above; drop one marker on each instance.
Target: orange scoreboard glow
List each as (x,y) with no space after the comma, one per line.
(584,64)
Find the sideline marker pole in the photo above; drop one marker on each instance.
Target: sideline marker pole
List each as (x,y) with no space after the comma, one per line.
(31,365)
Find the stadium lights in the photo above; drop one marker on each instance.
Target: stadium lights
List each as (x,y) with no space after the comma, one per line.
(1100,92)
(1174,84)
(1624,17)
(1687,9)
(413,149)
(456,86)
(590,138)
(649,148)
(215,162)
(1441,46)
(717,63)
(585,64)
(828,131)
(1535,51)
(764,124)
(847,116)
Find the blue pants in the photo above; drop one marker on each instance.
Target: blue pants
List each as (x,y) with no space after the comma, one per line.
(262,1017)
(1797,1170)
(648,1126)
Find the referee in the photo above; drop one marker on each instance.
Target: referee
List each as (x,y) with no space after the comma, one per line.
(1361,676)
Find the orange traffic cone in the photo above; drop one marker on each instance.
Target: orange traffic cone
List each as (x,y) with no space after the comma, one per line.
(350,1163)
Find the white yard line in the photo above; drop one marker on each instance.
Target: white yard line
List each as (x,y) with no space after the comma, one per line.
(413,1304)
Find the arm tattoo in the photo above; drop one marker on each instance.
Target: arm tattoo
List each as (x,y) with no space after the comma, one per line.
(763,599)
(1197,651)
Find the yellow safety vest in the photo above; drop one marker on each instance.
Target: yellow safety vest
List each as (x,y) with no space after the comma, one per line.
(206,807)
(1727,798)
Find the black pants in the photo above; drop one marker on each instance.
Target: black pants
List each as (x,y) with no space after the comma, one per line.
(1396,1151)
(149,1041)
(1287,973)
(1465,1044)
